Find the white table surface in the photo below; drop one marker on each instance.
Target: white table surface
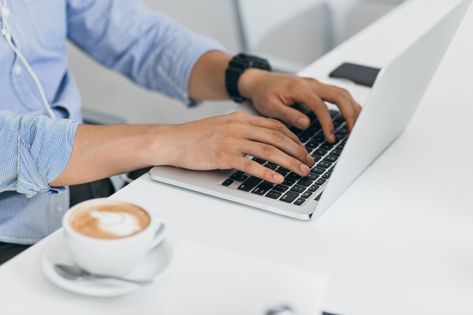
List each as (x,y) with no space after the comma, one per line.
(398,241)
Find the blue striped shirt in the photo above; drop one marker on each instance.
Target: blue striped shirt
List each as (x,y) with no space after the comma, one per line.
(147,47)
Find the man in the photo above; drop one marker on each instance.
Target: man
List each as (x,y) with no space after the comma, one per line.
(41,156)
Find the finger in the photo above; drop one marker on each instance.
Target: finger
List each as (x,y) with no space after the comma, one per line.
(357,109)
(274,125)
(255,169)
(315,103)
(356,106)
(340,97)
(279,140)
(274,155)
(291,116)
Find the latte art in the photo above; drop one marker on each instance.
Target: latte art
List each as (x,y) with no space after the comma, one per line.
(117,223)
(110,221)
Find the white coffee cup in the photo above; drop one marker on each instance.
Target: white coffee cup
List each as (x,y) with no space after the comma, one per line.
(114,257)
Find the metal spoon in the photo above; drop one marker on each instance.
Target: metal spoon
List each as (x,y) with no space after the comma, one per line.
(75,273)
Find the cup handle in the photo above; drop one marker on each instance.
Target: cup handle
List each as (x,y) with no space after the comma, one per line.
(158,236)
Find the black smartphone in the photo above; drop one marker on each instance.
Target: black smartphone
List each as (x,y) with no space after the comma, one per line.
(362,75)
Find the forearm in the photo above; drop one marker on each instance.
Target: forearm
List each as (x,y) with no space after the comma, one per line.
(207,80)
(104,151)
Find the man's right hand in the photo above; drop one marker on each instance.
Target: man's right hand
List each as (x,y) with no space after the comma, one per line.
(223,142)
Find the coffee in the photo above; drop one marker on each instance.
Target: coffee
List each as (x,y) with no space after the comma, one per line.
(109,221)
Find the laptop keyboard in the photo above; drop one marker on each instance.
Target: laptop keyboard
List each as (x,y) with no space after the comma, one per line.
(295,189)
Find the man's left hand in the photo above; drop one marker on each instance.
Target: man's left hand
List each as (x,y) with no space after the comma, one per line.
(273,95)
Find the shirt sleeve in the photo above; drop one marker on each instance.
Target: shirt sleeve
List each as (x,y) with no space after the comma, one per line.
(34,152)
(147,47)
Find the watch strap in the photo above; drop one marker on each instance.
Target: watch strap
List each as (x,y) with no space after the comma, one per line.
(237,66)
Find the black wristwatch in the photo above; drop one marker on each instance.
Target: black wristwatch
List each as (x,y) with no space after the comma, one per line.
(239,64)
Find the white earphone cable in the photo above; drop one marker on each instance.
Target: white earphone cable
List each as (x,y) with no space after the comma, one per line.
(7,35)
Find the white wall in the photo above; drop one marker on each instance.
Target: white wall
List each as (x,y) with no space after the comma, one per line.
(108,92)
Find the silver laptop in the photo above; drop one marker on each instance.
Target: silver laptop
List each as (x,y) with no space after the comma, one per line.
(392,102)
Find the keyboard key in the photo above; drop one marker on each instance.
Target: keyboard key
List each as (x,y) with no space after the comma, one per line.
(288,182)
(281,188)
(337,123)
(298,188)
(316,156)
(260,161)
(336,152)
(312,141)
(227,183)
(307,195)
(330,159)
(273,194)
(283,171)
(299,202)
(321,152)
(327,175)
(304,182)
(314,188)
(319,138)
(334,113)
(311,145)
(295,130)
(306,135)
(317,170)
(262,188)
(312,176)
(327,146)
(289,197)
(239,177)
(314,131)
(293,176)
(249,184)
(324,164)
(321,181)
(312,116)
(271,166)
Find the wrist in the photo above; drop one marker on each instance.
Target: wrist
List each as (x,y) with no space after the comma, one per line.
(247,85)
(159,147)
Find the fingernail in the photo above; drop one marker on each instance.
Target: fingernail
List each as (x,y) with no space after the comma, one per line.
(305,169)
(278,178)
(310,159)
(302,122)
(332,138)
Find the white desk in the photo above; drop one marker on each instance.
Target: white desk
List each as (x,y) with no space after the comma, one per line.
(398,241)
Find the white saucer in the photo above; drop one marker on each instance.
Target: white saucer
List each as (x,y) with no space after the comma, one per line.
(152,267)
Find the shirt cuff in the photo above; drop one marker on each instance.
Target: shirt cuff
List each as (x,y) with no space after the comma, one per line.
(44,149)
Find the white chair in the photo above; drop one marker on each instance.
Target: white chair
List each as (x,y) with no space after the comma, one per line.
(291,34)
